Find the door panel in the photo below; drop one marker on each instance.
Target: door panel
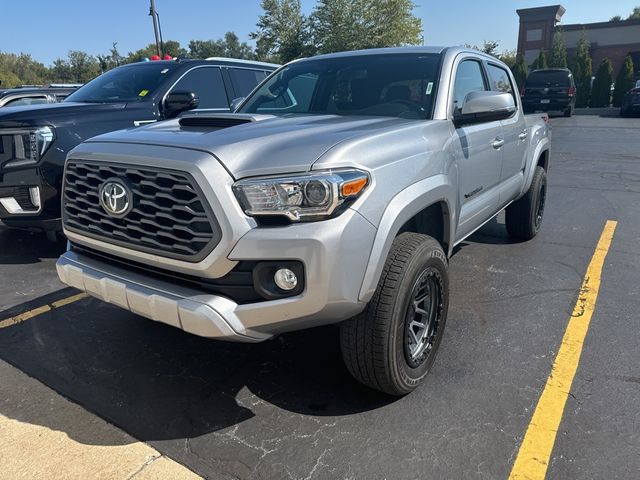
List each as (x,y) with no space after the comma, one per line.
(479,165)
(479,153)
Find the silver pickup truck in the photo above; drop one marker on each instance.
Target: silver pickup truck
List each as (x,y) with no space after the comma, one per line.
(335,194)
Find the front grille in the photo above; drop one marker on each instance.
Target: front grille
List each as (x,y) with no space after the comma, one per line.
(168,216)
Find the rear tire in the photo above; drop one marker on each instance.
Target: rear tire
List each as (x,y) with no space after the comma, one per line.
(386,346)
(524,217)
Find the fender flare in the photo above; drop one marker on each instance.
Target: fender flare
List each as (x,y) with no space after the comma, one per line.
(401,209)
(542,146)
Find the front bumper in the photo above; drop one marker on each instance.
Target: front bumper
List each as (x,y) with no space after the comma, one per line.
(17,207)
(334,253)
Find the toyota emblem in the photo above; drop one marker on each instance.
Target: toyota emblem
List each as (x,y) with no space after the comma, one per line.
(115,198)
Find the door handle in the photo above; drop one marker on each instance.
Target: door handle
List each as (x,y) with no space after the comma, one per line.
(523,135)
(497,143)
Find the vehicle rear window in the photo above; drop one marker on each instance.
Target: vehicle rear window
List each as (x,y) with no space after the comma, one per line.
(20,102)
(549,79)
(396,85)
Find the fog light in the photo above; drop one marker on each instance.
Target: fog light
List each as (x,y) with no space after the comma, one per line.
(34,195)
(285,279)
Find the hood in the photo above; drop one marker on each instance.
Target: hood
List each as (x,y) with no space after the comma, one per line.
(266,144)
(51,112)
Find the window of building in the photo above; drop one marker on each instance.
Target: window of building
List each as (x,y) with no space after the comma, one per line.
(534,35)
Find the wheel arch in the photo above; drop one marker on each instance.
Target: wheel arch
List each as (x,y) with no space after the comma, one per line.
(425,207)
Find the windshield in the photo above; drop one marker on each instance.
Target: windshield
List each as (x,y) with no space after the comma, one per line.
(549,79)
(387,85)
(123,84)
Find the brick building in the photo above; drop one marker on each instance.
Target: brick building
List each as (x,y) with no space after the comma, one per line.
(613,40)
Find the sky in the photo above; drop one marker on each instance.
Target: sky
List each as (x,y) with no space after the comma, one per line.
(48,29)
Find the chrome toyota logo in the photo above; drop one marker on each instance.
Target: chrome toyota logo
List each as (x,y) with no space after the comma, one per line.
(115,198)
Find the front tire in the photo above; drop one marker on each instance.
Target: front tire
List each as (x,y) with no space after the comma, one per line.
(392,345)
(524,217)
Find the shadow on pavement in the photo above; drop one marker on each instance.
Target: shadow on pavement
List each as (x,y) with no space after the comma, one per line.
(22,247)
(158,383)
(600,112)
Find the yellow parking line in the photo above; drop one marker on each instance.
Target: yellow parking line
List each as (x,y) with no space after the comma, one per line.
(533,457)
(40,310)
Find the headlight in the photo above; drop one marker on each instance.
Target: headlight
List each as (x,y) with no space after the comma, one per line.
(308,197)
(29,144)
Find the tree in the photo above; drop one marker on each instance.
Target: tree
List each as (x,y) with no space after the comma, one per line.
(616,18)
(21,69)
(520,72)
(111,60)
(339,25)
(229,46)
(635,14)
(490,47)
(601,90)
(540,62)
(171,47)
(509,57)
(624,81)
(583,71)
(558,54)
(61,71)
(82,66)
(283,32)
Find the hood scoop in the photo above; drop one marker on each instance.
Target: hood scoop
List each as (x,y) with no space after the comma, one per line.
(220,120)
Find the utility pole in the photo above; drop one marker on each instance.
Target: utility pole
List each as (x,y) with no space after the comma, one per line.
(156,28)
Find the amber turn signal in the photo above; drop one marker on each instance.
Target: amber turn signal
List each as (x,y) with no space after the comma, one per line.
(354,187)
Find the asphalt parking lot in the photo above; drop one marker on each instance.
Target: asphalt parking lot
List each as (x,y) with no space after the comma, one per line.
(287,408)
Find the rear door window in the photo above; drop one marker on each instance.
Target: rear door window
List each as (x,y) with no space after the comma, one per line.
(500,81)
(245,79)
(206,82)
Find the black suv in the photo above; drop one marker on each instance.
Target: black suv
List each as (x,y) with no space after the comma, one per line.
(631,102)
(27,96)
(550,89)
(34,141)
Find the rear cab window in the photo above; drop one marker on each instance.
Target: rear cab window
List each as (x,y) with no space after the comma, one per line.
(549,78)
(26,101)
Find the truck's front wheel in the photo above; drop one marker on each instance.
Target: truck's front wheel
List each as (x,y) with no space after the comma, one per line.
(393,343)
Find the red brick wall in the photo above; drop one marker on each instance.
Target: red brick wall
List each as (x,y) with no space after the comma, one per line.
(615,53)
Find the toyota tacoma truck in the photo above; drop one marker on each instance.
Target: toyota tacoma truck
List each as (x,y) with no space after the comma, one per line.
(335,193)
(35,140)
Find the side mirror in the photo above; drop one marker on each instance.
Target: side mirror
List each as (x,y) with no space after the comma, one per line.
(178,102)
(236,102)
(485,106)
